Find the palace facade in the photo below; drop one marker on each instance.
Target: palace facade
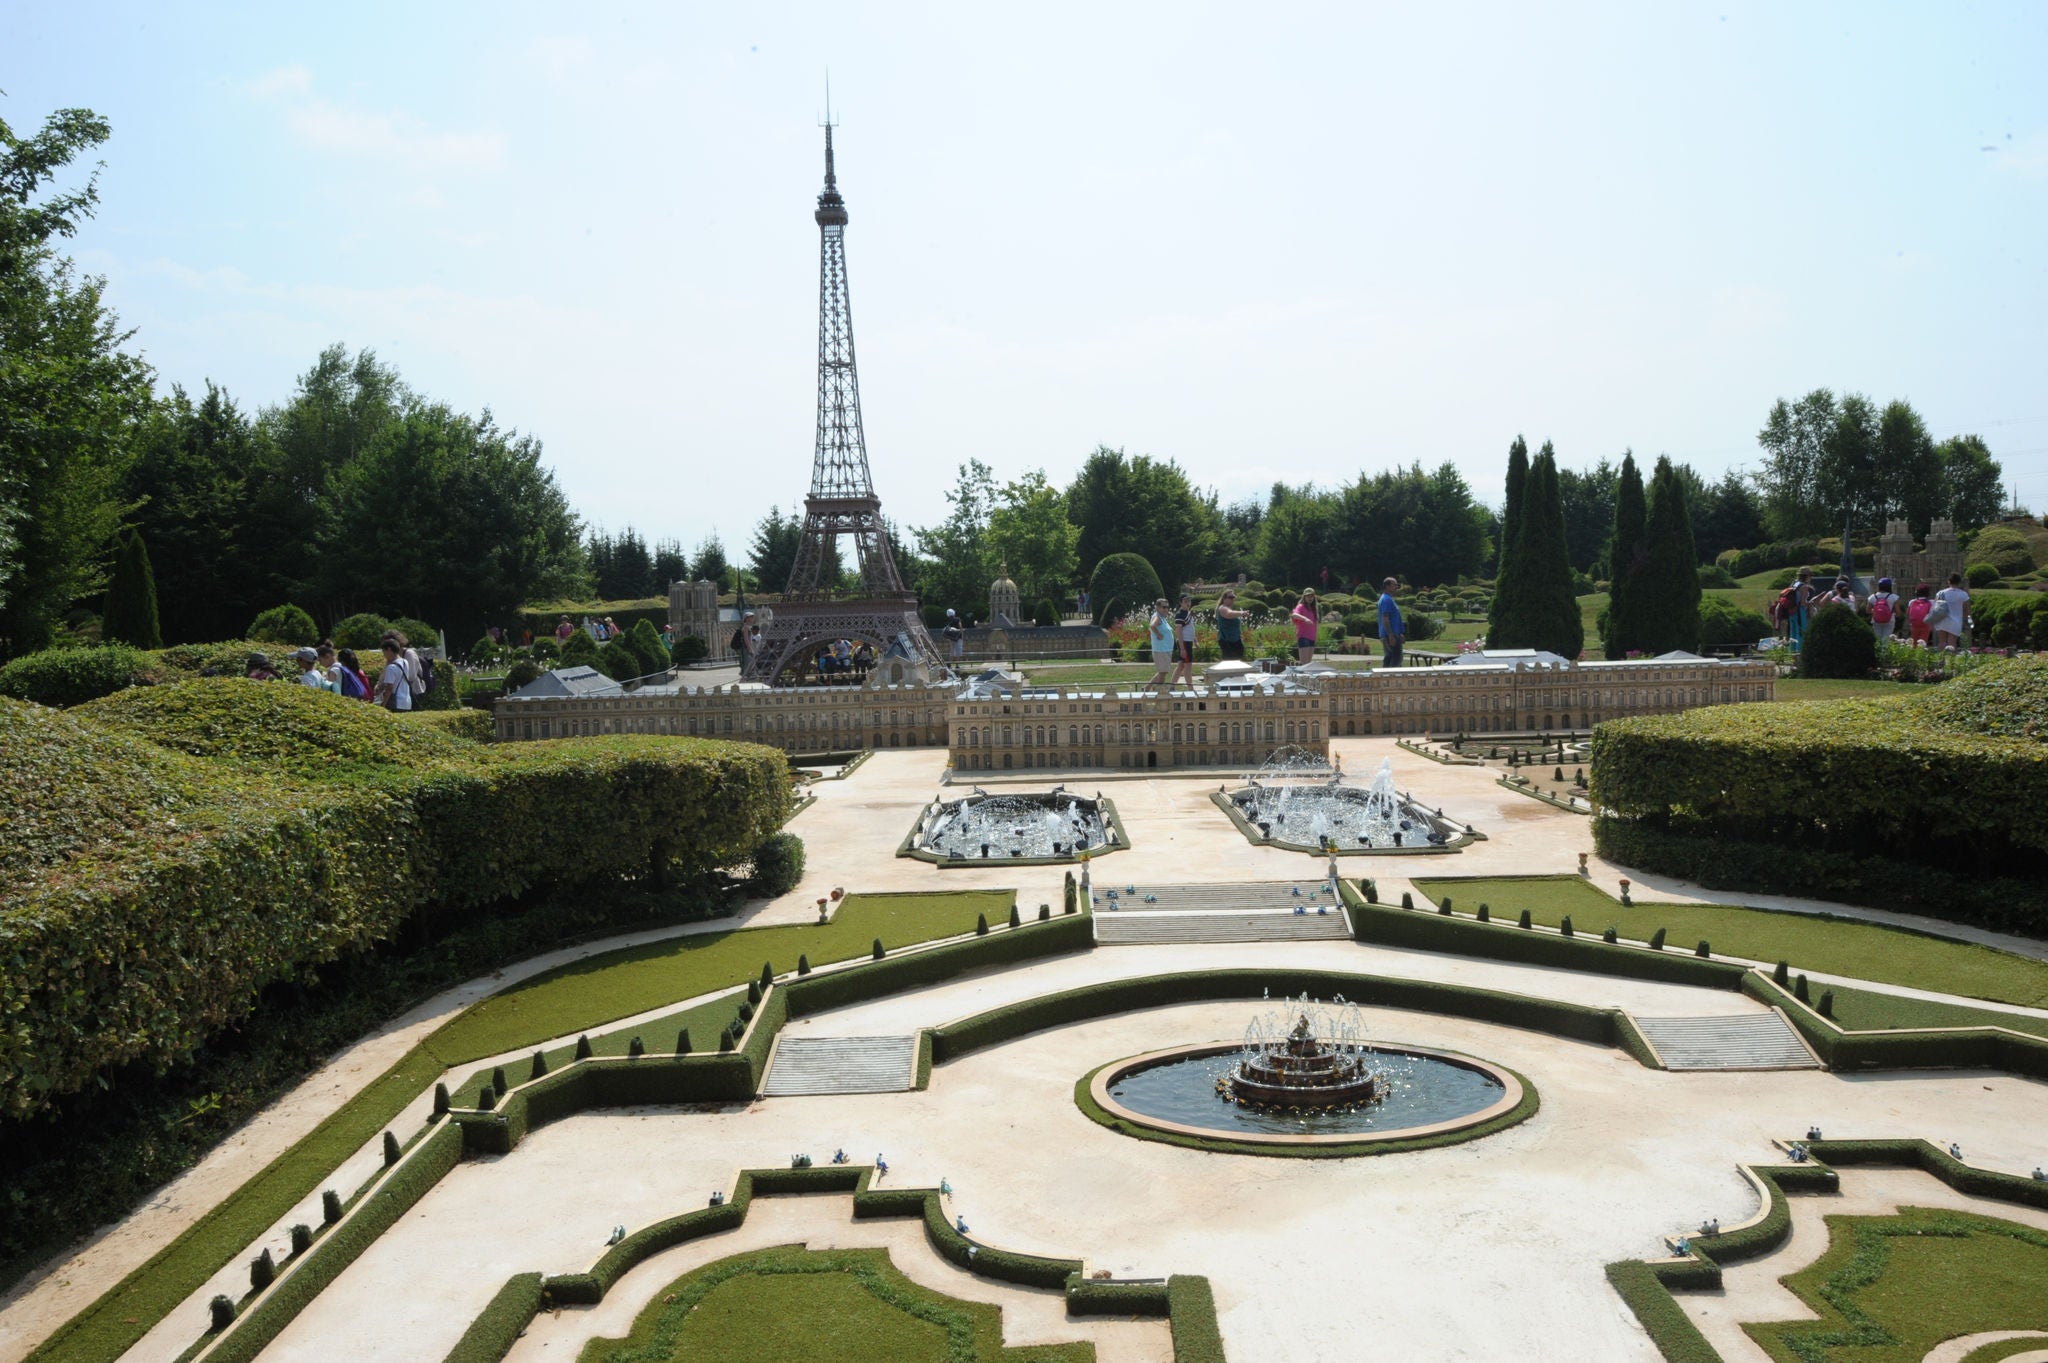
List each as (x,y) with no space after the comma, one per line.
(1235,724)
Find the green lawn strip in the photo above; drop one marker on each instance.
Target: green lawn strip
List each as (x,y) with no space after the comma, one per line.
(2003,1349)
(112,1324)
(704,1021)
(1867,1010)
(837,1306)
(1811,942)
(1799,688)
(582,996)
(564,1001)
(1889,1288)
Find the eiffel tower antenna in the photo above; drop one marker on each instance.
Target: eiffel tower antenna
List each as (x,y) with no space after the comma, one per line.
(842,500)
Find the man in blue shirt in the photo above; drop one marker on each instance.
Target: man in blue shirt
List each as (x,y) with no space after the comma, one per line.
(1392,630)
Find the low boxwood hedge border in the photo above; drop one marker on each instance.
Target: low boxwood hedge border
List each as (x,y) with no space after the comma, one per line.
(1647,1285)
(1222,800)
(1222,1145)
(1186,1302)
(907,848)
(1989,1048)
(1527,787)
(1501,940)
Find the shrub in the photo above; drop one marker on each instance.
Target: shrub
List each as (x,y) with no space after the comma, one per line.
(683,1042)
(1407,900)
(284,625)
(1827,1003)
(1980,574)
(580,651)
(803,964)
(330,1206)
(220,1312)
(2002,549)
(306,826)
(521,673)
(1781,973)
(1422,626)
(1120,584)
(879,953)
(360,632)
(2009,699)
(1564,926)
(1838,644)
(645,640)
(635,1049)
(441,1100)
(262,1271)
(302,1239)
(583,1048)
(1701,949)
(418,633)
(1045,613)
(691,648)
(1611,936)
(544,649)
(1485,913)
(1799,988)
(778,865)
(1716,575)
(1524,921)
(1045,913)
(1725,624)
(484,651)
(981,925)
(71,676)
(618,660)
(1016,918)
(539,1068)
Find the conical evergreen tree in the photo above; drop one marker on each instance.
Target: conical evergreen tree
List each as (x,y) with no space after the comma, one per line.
(1666,607)
(129,615)
(1626,553)
(1549,612)
(1504,605)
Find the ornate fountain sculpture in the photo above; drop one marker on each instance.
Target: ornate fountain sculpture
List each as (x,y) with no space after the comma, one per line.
(1297,800)
(1320,1063)
(1046,826)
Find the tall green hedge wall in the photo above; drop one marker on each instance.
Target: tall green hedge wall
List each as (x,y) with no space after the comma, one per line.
(1930,801)
(172,851)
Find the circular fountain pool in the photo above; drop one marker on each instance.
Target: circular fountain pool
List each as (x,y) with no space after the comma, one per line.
(1312,1081)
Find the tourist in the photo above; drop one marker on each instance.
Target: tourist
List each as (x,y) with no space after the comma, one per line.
(742,642)
(1230,627)
(863,658)
(257,668)
(394,686)
(349,673)
(1884,610)
(1841,594)
(1393,629)
(311,673)
(668,638)
(611,629)
(564,630)
(1952,612)
(1920,615)
(415,670)
(956,637)
(1184,640)
(1306,623)
(1802,607)
(1160,627)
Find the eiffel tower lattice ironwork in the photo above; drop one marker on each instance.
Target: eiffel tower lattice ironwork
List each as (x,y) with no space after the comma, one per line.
(842,500)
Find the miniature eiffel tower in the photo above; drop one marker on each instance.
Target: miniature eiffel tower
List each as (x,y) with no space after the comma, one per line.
(842,501)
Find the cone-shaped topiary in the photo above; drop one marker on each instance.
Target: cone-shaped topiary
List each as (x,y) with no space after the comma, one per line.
(879,953)
(330,1206)
(440,1100)
(222,1311)
(1827,1003)
(1407,900)
(540,1065)
(1558,775)
(302,1239)
(1799,988)
(683,1042)
(1781,974)
(262,1271)
(725,1040)
(1610,936)
(1072,893)
(1525,921)
(1444,904)
(129,615)
(392,1150)
(1044,913)
(1016,919)
(1372,891)
(1701,949)
(1485,912)
(767,975)
(635,1049)
(803,965)
(583,1051)
(1657,940)
(1564,928)
(486,1099)
(498,1080)
(746,1014)
(753,991)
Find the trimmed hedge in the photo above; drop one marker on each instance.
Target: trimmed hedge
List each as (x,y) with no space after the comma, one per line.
(126,855)
(1782,798)
(71,676)
(1902,1049)
(498,1326)
(819,993)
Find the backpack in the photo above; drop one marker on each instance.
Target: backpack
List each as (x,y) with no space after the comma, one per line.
(351,685)
(1920,610)
(1881,608)
(1787,600)
(419,675)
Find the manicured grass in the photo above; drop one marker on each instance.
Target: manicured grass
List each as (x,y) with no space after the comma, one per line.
(1865,1010)
(1796,688)
(704,1021)
(575,998)
(586,994)
(1864,951)
(1890,1288)
(838,1306)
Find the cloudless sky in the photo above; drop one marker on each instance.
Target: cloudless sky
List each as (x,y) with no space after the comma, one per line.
(1282,242)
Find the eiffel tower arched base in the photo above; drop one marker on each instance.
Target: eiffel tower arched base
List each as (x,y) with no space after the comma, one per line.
(798,629)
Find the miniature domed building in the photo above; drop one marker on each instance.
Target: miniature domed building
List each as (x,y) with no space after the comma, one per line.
(1005,609)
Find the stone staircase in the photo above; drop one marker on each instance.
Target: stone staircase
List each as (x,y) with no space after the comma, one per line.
(1114,929)
(1749,1041)
(1252,896)
(841,1064)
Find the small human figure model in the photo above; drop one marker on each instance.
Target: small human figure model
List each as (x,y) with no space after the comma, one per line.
(881,1167)
(1954,1151)
(1813,1133)
(718,1199)
(618,1234)
(2040,1174)
(960,1224)
(839,1157)
(945,1188)
(1712,1227)
(1797,1154)
(1300,908)
(1684,1246)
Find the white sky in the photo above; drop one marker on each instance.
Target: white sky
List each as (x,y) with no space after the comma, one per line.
(1291,244)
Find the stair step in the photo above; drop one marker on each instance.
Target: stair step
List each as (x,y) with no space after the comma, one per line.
(1750,1041)
(1113,929)
(1270,895)
(842,1064)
